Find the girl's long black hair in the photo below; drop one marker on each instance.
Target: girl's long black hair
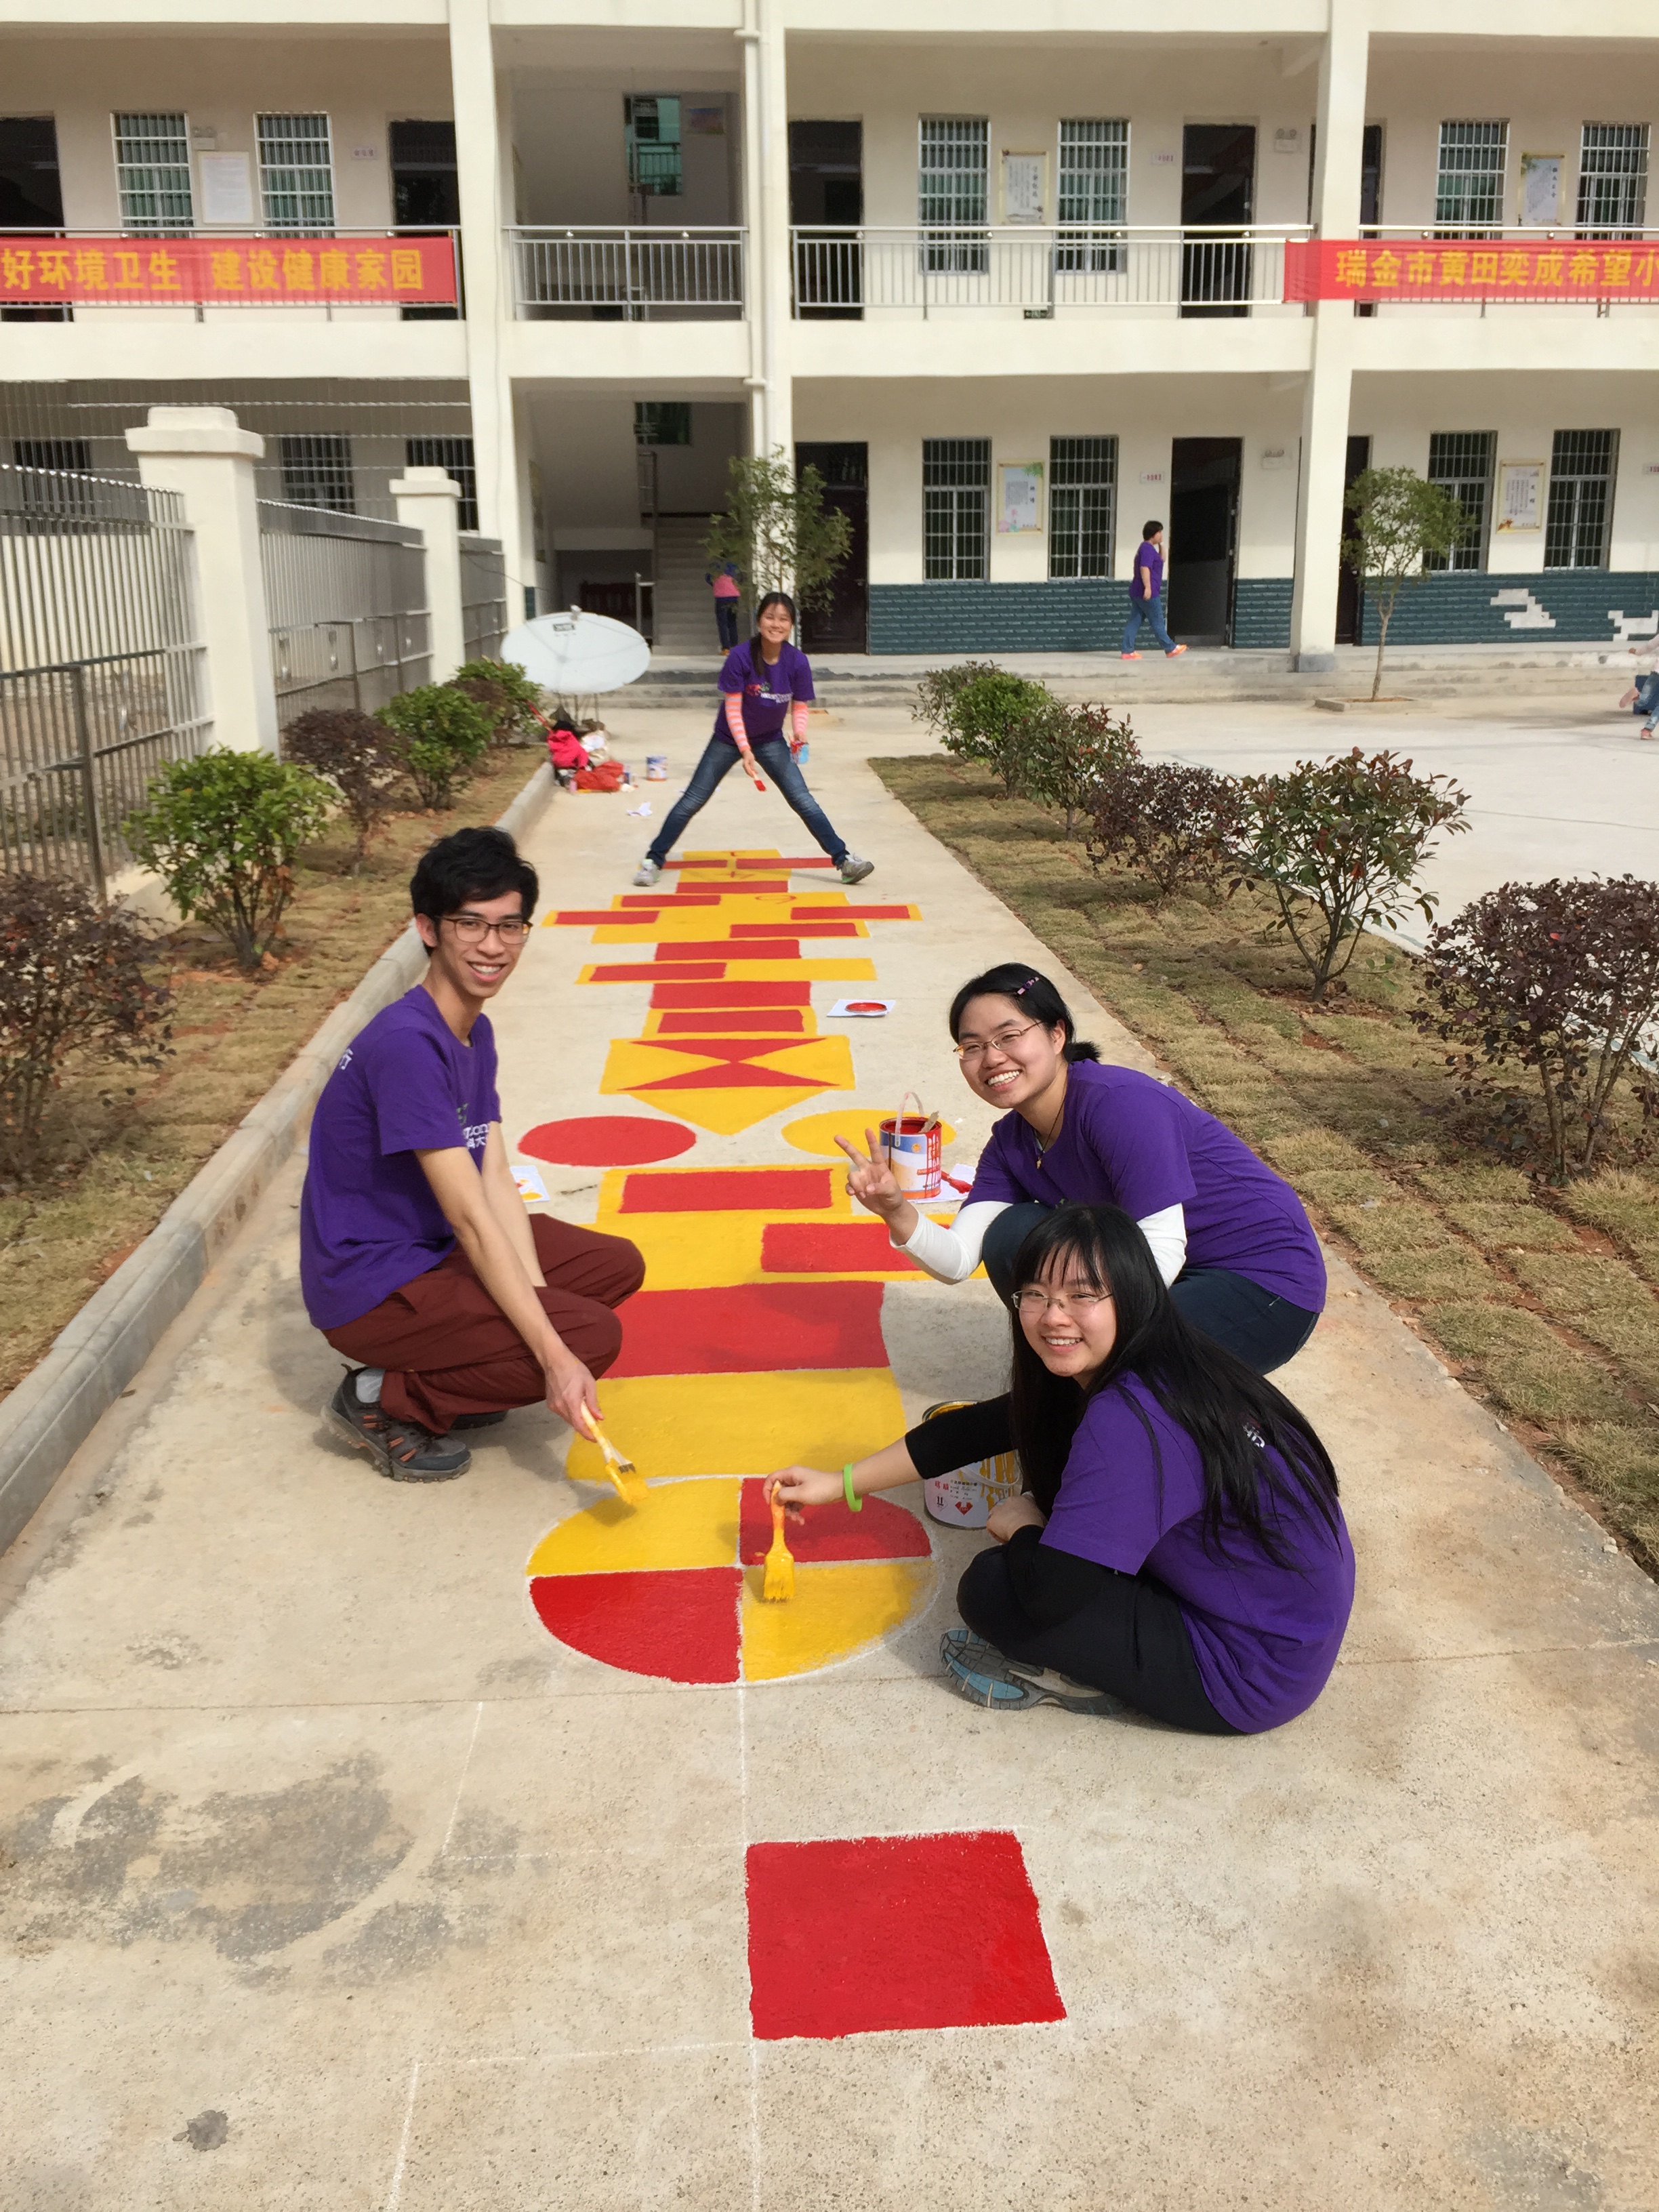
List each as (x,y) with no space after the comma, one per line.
(757,643)
(1262,1462)
(1014,979)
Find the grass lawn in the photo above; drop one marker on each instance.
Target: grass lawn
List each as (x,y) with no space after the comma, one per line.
(1541,1300)
(122,1143)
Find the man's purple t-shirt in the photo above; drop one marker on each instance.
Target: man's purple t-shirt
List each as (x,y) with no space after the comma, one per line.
(1265,1637)
(368,1221)
(769,691)
(1131,1141)
(1147,557)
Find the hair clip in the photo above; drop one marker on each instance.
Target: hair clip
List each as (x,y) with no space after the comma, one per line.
(1024,988)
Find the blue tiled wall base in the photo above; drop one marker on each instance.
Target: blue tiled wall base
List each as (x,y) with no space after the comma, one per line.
(1458,610)
(1085,614)
(1261,613)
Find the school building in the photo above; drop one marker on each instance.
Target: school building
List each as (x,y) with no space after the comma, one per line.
(1013,276)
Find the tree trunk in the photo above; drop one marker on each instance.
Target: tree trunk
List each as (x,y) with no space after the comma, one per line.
(1384,615)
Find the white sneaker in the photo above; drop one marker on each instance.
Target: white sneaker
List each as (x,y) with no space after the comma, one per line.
(853,870)
(647,875)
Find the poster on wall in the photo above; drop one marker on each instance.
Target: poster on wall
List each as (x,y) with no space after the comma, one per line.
(227,188)
(1539,195)
(1019,496)
(1520,496)
(1024,187)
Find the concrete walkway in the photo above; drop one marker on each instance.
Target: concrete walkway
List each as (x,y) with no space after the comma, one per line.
(332,1876)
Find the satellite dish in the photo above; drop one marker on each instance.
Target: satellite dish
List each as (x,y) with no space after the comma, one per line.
(577,654)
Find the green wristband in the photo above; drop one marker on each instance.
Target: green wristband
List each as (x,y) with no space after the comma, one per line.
(853,1498)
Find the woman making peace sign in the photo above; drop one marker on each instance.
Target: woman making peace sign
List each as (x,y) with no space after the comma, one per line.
(1231,1239)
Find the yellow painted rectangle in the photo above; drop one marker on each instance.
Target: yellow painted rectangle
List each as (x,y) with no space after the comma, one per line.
(679,1425)
(836,1611)
(681,1524)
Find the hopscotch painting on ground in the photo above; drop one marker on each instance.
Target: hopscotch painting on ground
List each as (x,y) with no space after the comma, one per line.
(757,1339)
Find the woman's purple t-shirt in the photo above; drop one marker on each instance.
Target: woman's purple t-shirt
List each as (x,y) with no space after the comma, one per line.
(1147,557)
(368,1221)
(769,691)
(1129,1140)
(1265,1637)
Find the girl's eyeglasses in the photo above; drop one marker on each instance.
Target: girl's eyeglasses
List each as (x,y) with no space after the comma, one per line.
(1083,1305)
(1002,1041)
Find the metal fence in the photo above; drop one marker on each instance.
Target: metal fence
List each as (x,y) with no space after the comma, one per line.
(345,598)
(102,679)
(1040,272)
(628,275)
(484,595)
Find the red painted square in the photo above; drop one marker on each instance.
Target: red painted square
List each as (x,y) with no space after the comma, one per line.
(681,993)
(680,1623)
(879,1530)
(885,1932)
(753,1328)
(832,1247)
(728,1191)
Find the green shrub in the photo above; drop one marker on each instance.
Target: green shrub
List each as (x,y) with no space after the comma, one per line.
(71,980)
(507,695)
(358,757)
(1068,754)
(445,735)
(223,832)
(978,712)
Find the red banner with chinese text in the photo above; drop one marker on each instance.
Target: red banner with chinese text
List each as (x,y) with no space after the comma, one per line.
(242,272)
(1471,269)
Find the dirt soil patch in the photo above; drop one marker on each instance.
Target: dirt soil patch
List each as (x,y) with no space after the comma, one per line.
(122,1143)
(1541,1301)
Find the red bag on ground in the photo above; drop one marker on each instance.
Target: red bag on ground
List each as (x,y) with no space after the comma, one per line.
(607,776)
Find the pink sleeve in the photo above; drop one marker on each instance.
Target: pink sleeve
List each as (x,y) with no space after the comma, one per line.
(798,719)
(735,720)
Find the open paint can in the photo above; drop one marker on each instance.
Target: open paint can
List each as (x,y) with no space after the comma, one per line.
(964,1499)
(914,1145)
(656,768)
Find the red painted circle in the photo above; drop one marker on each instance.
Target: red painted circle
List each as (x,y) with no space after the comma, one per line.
(606,1140)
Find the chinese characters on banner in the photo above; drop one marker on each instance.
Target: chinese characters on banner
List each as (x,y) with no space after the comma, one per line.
(248,272)
(1471,269)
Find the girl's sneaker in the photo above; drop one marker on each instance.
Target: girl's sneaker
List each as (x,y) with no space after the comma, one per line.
(976,1670)
(853,870)
(646,875)
(1173,651)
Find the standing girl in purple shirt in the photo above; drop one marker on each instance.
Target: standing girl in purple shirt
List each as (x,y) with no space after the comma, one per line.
(1231,1239)
(1178,1543)
(765,683)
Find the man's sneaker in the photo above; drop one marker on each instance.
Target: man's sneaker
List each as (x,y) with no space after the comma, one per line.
(647,875)
(853,870)
(403,1449)
(1173,651)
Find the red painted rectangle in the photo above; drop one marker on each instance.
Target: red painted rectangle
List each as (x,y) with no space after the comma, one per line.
(879,1530)
(709,972)
(718,994)
(722,948)
(729,1190)
(832,1247)
(870,1933)
(753,1329)
(718,1020)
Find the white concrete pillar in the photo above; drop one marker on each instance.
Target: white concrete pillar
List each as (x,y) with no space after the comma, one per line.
(204,454)
(1320,522)
(776,329)
(430,501)
(482,157)
(754,266)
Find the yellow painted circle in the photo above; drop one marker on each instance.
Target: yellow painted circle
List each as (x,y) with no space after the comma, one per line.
(816,1133)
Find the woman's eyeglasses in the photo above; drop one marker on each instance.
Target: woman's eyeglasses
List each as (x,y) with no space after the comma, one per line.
(1083,1304)
(1002,1041)
(472,928)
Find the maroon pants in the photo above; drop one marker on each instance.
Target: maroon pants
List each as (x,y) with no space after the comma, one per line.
(448,1349)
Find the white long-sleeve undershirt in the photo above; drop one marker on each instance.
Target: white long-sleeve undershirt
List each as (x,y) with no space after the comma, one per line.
(950,1255)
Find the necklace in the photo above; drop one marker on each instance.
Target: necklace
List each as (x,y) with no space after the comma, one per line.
(1043,1142)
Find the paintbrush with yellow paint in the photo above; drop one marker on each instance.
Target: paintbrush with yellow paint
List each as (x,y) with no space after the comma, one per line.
(780,1579)
(626,1480)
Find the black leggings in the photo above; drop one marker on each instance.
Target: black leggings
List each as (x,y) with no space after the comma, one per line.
(1256,1326)
(1132,1641)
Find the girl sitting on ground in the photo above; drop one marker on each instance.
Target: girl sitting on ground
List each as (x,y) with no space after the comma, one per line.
(1178,1544)
(1230,1237)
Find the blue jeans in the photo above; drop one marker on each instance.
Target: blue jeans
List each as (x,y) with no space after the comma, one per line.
(1647,698)
(725,617)
(1149,611)
(720,758)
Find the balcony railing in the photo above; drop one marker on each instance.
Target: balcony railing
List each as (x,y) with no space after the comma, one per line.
(1037,271)
(653,275)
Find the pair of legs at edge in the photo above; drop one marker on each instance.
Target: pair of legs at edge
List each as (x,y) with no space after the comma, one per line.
(1149,611)
(718,759)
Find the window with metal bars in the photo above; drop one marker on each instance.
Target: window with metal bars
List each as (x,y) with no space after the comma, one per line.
(956,498)
(1612,178)
(317,472)
(951,191)
(1577,527)
(1094,188)
(455,456)
(1461,462)
(296,171)
(1082,504)
(151,170)
(1469,186)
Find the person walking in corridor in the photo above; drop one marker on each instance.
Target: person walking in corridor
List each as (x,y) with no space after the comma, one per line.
(727,589)
(1146,594)
(765,687)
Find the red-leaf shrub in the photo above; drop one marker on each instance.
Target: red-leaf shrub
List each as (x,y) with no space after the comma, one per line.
(358,755)
(1180,827)
(1562,978)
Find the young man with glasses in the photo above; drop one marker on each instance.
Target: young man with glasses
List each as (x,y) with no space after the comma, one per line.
(417,1258)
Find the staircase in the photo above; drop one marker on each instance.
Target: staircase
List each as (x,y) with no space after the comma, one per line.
(684,603)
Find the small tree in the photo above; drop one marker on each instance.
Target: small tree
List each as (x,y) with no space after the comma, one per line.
(1070,752)
(71,980)
(507,695)
(1560,977)
(777,530)
(1340,841)
(444,735)
(979,712)
(1182,827)
(1401,522)
(222,831)
(358,757)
